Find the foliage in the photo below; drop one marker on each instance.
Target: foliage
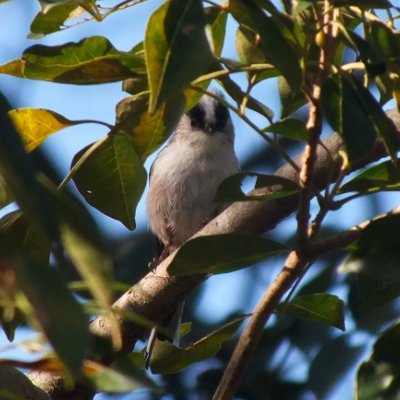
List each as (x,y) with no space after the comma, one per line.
(341,59)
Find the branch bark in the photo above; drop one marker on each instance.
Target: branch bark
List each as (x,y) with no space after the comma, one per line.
(157,294)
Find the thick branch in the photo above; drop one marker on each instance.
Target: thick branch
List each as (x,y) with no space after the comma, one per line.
(157,294)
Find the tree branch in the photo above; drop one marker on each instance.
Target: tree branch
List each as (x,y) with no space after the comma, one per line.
(157,294)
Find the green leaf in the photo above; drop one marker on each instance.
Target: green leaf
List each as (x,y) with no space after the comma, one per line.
(19,173)
(177,50)
(110,380)
(373,381)
(375,260)
(51,21)
(363,4)
(234,90)
(291,100)
(381,177)
(277,47)
(385,345)
(217,254)
(148,130)
(319,307)
(230,189)
(346,112)
(111,177)
(216,22)
(91,61)
(85,246)
(35,124)
(53,305)
(168,359)
(291,128)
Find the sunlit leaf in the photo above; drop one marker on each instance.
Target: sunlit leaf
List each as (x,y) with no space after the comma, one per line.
(216,23)
(148,130)
(319,307)
(168,359)
(231,188)
(52,20)
(18,172)
(111,177)
(218,254)
(91,61)
(35,124)
(177,50)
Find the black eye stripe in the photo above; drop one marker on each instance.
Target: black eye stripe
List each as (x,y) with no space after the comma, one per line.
(197,114)
(221,115)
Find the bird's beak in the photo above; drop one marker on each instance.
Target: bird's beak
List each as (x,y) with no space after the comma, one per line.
(209,129)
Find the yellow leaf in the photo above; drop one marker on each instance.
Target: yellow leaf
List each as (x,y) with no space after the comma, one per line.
(36,124)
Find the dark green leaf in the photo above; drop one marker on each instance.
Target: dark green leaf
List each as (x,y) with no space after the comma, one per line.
(177,50)
(372,381)
(375,260)
(53,305)
(85,246)
(345,109)
(381,177)
(17,170)
(277,47)
(218,254)
(148,130)
(363,4)
(247,47)
(320,307)
(168,359)
(230,188)
(385,345)
(333,360)
(291,128)
(291,100)
(111,177)
(91,61)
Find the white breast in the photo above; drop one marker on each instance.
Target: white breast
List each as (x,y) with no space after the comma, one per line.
(184,181)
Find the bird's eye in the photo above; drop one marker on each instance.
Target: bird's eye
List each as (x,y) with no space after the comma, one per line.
(193,123)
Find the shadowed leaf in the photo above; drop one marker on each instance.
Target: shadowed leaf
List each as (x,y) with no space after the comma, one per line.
(168,359)
(111,177)
(319,307)
(217,254)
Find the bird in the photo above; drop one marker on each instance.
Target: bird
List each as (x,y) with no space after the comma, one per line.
(186,174)
(184,179)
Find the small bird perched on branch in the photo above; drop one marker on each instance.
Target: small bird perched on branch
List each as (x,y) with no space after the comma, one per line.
(186,174)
